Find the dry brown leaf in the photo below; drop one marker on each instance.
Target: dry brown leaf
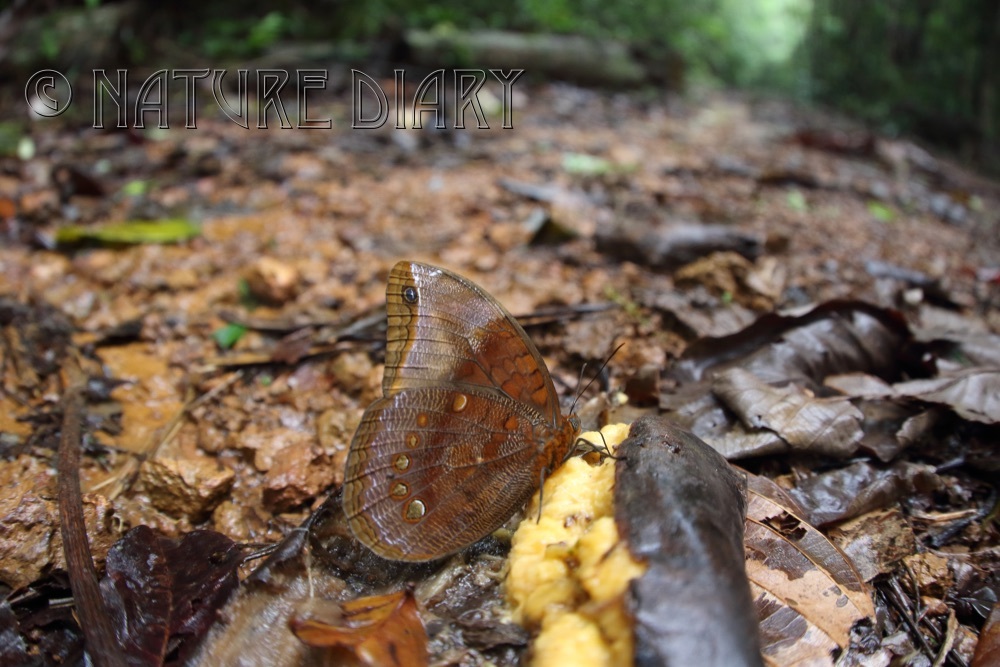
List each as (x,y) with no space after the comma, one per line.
(973,393)
(824,425)
(377,631)
(808,594)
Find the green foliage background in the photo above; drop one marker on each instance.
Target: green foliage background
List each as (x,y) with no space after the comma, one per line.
(930,67)
(927,67)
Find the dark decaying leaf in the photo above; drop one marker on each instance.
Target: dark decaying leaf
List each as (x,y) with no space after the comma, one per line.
(809,598)
(670,246)
(969,349)
(681,509)
(829,426)
(889,427)
(136,587)
(382,630)
(74,181)
(972,393)
(35,339)
(861,487)
(165,594)
(931,288)
(876,542)
(13,650)
(834,337)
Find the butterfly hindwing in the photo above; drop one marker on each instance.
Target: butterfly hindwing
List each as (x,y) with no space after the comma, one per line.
(414,483)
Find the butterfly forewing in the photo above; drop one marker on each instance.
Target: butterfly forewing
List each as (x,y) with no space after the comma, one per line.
(443,328)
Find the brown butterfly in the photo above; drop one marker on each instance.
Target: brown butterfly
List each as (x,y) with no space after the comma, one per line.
(468,427)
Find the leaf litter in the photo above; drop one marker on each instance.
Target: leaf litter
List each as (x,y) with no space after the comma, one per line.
(768,303)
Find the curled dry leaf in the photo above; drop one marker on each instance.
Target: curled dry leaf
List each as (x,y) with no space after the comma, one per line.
(824,425)
(272,280)
(875,542)
(681,508)
(834,337)
(807,593)
(381,630)
(973,393)
(751,373)
(730,275)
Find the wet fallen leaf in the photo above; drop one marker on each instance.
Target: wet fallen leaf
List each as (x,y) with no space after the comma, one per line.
(681,508)
(861,487)
(165,594)
(834,337)
(769,374)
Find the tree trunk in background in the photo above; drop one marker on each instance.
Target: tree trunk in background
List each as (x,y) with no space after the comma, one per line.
(598,62)
(988,102)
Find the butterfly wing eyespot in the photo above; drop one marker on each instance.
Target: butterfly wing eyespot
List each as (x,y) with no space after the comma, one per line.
(468,423)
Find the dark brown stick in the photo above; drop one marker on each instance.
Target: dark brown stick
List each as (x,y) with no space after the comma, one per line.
(102,646)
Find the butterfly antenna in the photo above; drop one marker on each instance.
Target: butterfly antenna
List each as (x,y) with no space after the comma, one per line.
(541,495)
(600,370)
(309,571)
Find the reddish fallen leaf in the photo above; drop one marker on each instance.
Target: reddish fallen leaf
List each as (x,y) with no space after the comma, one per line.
(835,141)
(165,594)
(377,630)
(988,648)
(8,208)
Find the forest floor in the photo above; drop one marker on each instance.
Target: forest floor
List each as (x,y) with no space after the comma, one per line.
(234,381)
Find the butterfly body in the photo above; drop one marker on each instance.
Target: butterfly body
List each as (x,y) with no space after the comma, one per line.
(468,425)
